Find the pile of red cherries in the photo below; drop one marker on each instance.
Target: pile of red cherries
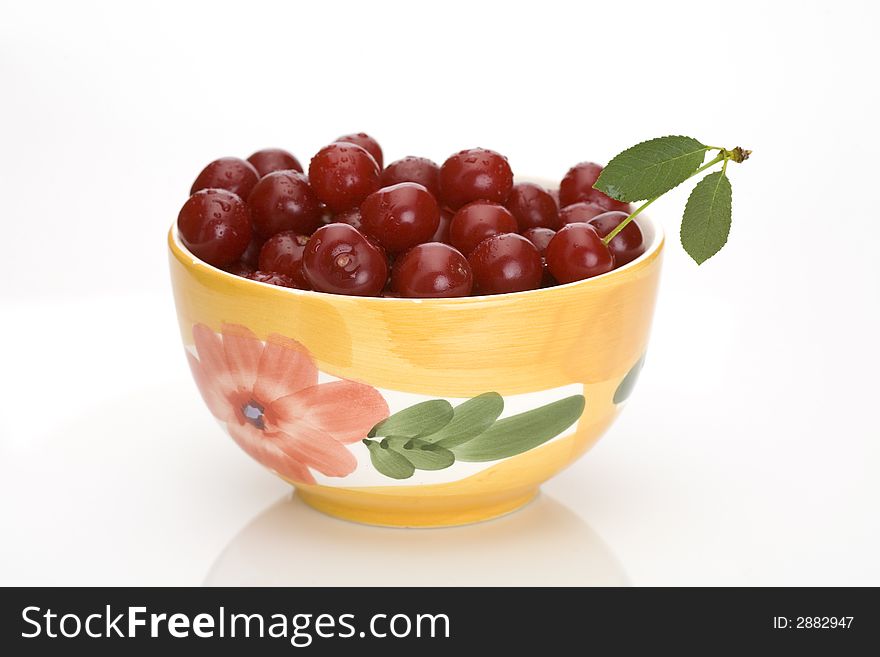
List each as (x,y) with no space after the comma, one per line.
(410,229)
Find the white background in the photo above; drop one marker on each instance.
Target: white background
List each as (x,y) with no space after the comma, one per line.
(749,453)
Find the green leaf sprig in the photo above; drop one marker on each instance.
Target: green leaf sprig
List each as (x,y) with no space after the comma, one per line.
(648,170)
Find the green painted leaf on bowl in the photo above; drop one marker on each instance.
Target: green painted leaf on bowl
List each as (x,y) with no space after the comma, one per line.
(469,420)
(651,168)
(519,433)
(624,390)
(417,420)
(388,462)
(423,455)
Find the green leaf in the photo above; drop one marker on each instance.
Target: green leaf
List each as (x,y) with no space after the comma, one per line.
(706,222)
(624,390)
(651,168)
(417,420)
(423,455)
(470,419)
(520,433)
(388,462)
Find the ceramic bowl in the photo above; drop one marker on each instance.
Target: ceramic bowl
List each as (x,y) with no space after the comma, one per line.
(411,412)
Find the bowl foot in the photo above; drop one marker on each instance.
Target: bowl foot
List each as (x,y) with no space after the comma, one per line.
(413,510)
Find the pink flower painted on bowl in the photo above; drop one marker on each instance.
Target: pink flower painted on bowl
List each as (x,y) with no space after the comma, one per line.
(268,395)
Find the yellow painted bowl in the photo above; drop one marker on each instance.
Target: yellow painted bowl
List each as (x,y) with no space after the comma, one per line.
(412,412)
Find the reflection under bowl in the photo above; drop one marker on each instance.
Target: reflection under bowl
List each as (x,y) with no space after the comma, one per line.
(545,544)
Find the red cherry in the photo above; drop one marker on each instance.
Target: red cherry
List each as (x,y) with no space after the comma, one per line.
(283,200)
(327,215)
(505,263)
(283,253)
(547,279)
(273,278)
(400,216)
(229,173)
(413,169)
(473,174)
(274,159)
(442,232)
(478,220)
(578,182)
(432,270)
(352,217)
(628,244)
(339,260)
(540,237)
(366,142)
(215,225)
(554,194)
(251,254)
(609,203)
(342,175)
(577,186)
(389,257)
(533,207)
(239,268)
(576,252)
(580,212)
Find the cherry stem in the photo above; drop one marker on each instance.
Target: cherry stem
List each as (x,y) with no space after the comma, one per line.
(737,155)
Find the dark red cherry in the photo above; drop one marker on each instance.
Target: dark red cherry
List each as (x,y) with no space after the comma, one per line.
(576,252)
(580,212)
(340,260)
(283,253)
(251,254)
(342,175)
(230,173)
(432,270)
(533,207)
(274,159)
(628,244)
(554,194)
(540,237)
(273,278)
(389,257)
(478,220)
(442,232)
(352,217)
(473,174)
(283,200)
(577,186)
(239,268)
(366,142)
(215,225)
(505,263)
(547,279)
(400,216)
(611,204)
(413,169)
